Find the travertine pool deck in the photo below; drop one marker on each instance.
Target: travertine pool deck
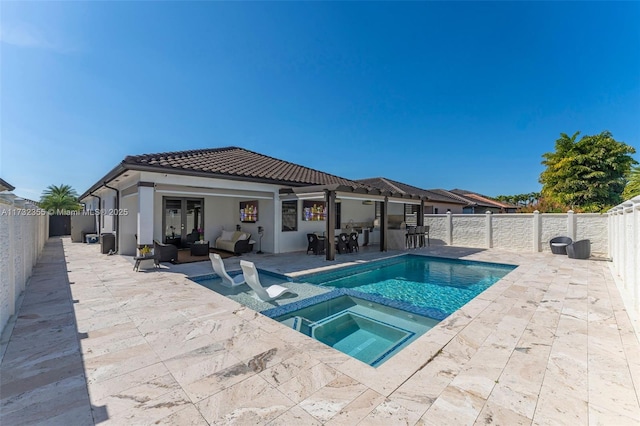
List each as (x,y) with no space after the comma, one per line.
(97,343)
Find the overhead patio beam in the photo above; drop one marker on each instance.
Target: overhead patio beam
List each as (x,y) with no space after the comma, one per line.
(350,192)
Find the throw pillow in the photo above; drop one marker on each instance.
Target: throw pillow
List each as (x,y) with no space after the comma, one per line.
(227,235)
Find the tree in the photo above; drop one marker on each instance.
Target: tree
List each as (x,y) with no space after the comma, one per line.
(520,200)
(633,185)
(589,173)
(62,197)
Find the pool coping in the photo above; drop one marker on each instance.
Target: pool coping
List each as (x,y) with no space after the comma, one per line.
(550,343)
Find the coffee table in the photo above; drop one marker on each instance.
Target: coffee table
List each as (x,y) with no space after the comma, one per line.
(200,248)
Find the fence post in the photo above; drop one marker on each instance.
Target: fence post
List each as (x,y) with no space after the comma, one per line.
(488,234)
(449,229)
(610,233)
(621,249)
(571,225)
(635,217)
(536,231)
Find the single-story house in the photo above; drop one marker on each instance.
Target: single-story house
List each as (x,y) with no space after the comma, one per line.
(169,197)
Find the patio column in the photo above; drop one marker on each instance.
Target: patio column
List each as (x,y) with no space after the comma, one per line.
(384,224)
(330,246)
(420,214)
(146,192)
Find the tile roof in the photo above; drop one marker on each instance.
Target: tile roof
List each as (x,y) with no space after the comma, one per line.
(236,162)
(445,196)
(6,186)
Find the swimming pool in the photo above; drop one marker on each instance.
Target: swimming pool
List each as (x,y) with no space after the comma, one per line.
(372,310)
(420,281)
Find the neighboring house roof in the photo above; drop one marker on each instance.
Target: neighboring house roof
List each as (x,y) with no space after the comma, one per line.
(444,196)
(6,186)
(37,203)
(483,200)
(227,163)
(437,195)
(386,184)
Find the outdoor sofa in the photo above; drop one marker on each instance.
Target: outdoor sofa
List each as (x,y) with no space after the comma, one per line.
(235,242)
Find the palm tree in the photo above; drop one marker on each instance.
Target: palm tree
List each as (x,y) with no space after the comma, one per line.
(62,197)
(632,188)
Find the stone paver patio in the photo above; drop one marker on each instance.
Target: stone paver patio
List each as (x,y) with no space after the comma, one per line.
(96,343)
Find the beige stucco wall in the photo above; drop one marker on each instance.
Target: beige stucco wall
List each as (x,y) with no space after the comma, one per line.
(22,238)
(593,227)
(468,230)
(518,232)
(437,228)
(513,231)
(552,225)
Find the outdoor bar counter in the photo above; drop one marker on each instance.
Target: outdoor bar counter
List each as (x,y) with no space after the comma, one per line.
(396,239)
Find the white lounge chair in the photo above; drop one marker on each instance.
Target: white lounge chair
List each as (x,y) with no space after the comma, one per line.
(253,280)
(218,267)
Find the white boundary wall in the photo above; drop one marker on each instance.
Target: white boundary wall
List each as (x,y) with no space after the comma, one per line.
(518,231)
(22,238)
(624,246)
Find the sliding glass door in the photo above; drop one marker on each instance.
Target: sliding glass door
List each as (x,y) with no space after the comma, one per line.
(181,217)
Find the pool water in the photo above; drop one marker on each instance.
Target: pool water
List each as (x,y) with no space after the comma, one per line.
(425,282)
(369,331)
(359,336)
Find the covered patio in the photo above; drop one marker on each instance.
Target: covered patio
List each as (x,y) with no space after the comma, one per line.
(96,343)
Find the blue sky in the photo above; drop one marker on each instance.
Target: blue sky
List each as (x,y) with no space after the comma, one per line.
(433,94)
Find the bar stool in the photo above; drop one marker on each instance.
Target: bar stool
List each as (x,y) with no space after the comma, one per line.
(410,237)
(420,236)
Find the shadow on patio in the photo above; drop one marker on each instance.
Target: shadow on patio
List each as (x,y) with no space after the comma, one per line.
(42,367)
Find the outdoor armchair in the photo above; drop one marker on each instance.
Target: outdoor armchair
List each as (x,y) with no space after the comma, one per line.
(352,244)
(559,244)
(165,252)
(579,250)
(342,243)
(316,245)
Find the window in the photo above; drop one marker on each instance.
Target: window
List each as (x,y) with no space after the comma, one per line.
(290,215)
